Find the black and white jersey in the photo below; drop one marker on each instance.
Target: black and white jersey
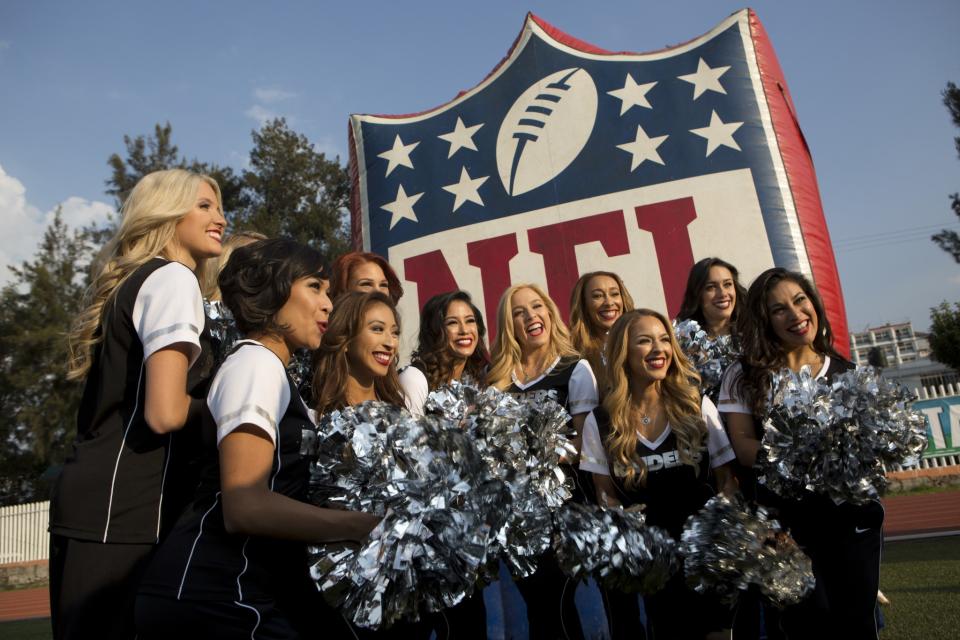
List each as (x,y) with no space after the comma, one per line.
(673,489)
(199,560)
(572,380)
(112,485)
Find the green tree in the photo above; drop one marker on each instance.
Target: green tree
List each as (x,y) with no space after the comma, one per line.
(293,190)
(949,240)
(945,334)
(876,358)
(145,154)
(38,406)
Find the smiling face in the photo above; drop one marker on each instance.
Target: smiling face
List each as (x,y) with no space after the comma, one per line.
(531,320)
(649,352)
(368,276)
(305,313)
(199,234)
(792,315)
(460,326)
(373,349)
(604,301)
(719,297)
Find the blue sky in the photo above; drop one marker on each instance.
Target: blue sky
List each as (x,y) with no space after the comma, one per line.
(865,77)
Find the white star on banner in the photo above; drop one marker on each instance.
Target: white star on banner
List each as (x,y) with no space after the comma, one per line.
(466,189)
(461,137)
(399,155)
(718,133)
(402,207)
(632,94)
(643,148)
(705,79)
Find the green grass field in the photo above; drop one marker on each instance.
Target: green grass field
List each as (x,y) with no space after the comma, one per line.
(921,578)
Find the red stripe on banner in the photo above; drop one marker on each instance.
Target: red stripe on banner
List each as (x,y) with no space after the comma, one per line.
(803,184)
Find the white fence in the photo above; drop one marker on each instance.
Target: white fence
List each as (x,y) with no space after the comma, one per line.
(23,532)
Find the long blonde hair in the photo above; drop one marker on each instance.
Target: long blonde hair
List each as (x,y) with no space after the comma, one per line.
(506,353)
(679,393)
(211,269)
(147,229)
(586,336)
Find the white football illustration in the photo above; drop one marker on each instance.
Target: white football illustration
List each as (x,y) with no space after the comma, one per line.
(545,129)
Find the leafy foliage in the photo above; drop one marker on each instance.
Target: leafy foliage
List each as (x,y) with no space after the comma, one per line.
(945,334)
(38,405)
(295,191)
(946,239)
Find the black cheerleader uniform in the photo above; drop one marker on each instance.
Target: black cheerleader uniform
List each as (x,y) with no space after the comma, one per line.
(112,498)
(843,541)
(672,492)
(206,582)
(548,594)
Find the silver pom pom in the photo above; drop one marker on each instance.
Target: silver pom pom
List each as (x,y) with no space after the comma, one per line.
(835,438)
(710,356)
(439,504)
(521,438)
(615,547)
(726,547)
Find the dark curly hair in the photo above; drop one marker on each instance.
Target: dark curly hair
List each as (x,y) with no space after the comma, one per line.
(433,356)
(331,366)
(256,281)
(691,309)
(763,354)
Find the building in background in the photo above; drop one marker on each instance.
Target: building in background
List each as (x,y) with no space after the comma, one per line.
(897,342)
(906,356)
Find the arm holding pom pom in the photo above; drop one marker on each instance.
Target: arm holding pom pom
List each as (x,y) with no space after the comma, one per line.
(251,507)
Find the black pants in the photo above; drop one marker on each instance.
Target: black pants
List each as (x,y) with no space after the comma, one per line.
(551,609)
(678,613)
(844,543)
(160,618)
(465,621)
(93,586)
(623,615)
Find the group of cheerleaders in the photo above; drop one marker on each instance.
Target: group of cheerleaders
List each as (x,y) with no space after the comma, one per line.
(182,510)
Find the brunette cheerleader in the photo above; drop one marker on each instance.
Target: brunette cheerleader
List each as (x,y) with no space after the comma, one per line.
(235,564)
(713,296)
(356,363)
(598,299)
(134,344)
(654,441)
(533,353)
(785,326)
(450,348)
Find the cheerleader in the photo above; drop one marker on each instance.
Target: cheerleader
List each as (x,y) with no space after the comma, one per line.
(235,564)
(654,441)
(450,348)
(784,325)
(597,300)
(533,353)
(364,272)
(134,344)
(711,297)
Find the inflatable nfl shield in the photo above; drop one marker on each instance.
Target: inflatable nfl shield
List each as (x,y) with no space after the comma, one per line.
(568,159)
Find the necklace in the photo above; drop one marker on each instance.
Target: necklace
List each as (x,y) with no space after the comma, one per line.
(537,371)
(644,418)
